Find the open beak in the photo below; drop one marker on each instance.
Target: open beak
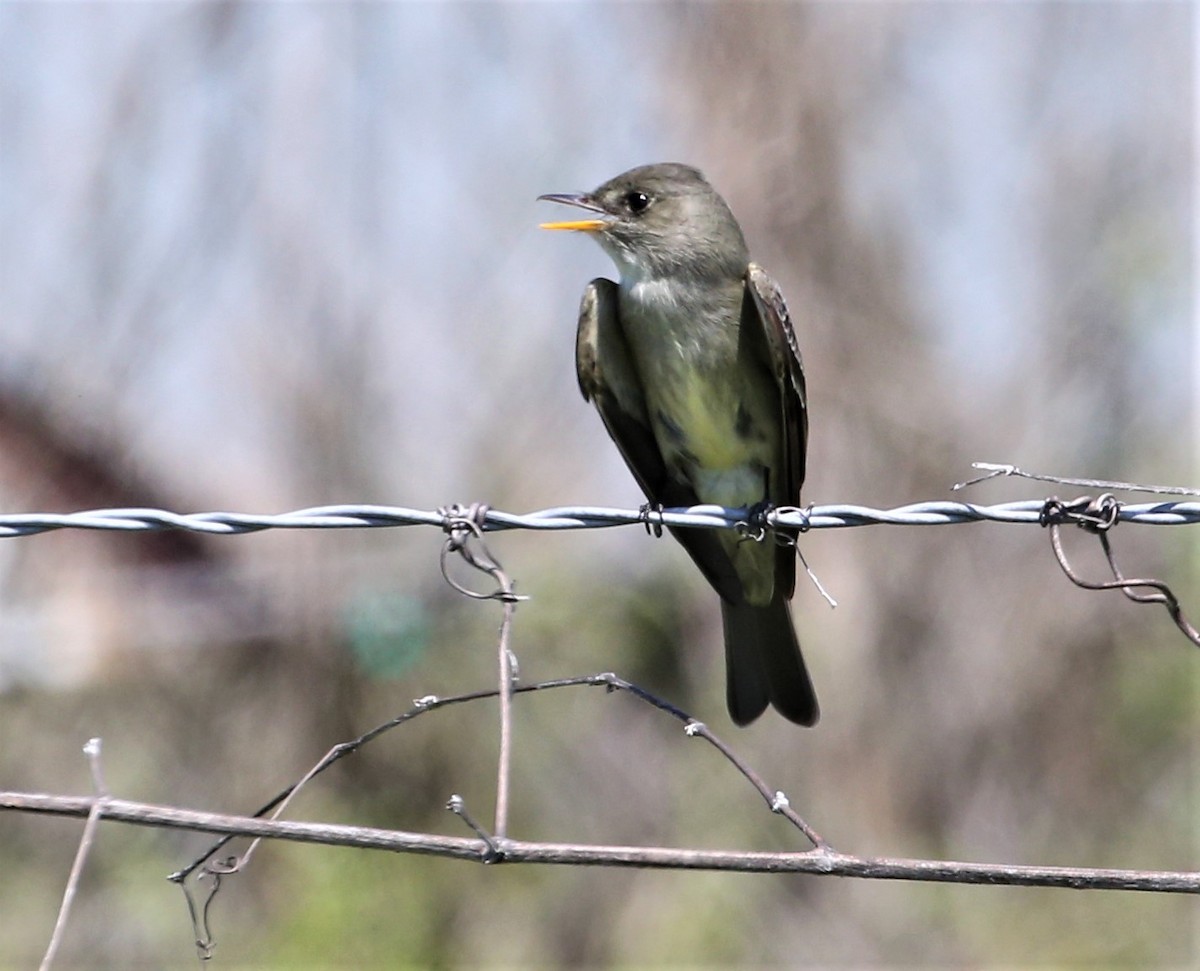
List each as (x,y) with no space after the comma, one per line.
(582,202)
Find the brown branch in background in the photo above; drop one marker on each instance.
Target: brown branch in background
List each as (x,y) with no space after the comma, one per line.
(457,805)
(607,680)
(775,799)
(92,751)
(824,862)
(495,845)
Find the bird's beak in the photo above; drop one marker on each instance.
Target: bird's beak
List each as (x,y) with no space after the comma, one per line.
(581,201)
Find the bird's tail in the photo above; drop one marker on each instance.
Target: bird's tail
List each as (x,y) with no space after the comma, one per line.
(763,664)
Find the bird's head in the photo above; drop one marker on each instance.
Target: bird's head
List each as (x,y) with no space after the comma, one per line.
(661,220)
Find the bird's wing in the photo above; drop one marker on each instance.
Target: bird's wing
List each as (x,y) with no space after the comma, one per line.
(783,358)
(788,367)
(609,379)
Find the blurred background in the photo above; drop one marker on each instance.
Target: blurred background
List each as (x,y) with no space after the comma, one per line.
(261,256)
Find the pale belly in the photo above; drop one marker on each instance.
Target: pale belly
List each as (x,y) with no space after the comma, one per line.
(723,445)
(720,436)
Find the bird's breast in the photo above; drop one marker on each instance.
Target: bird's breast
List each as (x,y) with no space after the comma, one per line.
(714,415)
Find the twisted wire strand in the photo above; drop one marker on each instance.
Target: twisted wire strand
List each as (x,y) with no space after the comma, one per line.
(356,516)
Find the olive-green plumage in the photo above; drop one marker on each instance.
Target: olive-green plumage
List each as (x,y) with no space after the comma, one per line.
(692,362)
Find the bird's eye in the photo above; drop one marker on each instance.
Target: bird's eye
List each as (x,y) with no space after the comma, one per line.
(637,202)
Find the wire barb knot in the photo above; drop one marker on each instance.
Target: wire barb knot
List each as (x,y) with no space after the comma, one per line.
(464,527)
(460,523)
(803,514)
(1097,515)
(787,536)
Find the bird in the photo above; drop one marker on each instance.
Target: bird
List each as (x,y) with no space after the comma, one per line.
(692,362)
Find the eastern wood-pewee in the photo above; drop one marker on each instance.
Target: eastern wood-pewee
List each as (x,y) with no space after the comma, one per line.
(692,362)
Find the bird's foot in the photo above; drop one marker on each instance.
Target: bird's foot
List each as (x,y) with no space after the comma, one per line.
(647,514)
(758,521)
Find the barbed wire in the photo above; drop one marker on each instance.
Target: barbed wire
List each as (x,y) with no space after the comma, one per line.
(358,516)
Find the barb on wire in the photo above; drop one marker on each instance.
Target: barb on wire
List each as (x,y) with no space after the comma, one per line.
(1099,516)
(464,527)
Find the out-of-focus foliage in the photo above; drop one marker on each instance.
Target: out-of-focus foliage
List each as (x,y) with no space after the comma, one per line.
(257,256)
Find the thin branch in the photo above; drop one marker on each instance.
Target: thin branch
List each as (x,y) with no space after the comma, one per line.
(822,862)
(464,535)
(458,806)
(774,798)
(86,841)
(606,680)
(993,470)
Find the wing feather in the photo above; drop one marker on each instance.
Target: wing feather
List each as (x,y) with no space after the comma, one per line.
(609,379)
(787,365)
